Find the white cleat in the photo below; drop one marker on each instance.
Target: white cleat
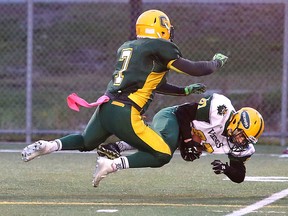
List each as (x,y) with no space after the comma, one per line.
(36,149)
(104,166)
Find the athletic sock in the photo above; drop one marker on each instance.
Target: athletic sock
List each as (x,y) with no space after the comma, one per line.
(56,145)
(121,163)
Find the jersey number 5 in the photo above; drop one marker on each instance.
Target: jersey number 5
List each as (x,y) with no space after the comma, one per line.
(125,58)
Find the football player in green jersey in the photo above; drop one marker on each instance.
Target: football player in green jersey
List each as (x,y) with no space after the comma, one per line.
(212,125)
(141,69)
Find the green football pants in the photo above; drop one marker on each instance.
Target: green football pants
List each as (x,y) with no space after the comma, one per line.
(125,122)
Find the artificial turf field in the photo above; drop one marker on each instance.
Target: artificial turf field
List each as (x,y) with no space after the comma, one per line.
(60,184)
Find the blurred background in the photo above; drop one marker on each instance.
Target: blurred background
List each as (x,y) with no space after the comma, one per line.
(49,49)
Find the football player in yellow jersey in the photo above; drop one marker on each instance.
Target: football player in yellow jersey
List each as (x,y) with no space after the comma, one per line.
(141,69)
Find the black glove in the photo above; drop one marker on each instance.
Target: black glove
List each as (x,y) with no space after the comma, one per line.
(219,167)
(190,150)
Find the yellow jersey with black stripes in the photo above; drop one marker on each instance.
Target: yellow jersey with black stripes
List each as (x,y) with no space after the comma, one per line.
(141,66)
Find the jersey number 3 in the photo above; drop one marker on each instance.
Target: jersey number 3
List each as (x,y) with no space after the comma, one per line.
(125,58)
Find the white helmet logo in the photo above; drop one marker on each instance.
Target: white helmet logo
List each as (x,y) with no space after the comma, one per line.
(245,119)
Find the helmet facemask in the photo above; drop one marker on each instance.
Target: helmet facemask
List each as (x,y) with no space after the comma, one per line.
(171,31)
(239,141)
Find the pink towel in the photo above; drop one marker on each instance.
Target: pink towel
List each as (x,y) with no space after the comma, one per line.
(74,101)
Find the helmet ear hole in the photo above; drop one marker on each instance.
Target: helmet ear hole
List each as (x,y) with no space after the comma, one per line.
(155,20)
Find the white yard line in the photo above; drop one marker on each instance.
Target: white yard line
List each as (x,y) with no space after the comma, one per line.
(263,178)
(260,204)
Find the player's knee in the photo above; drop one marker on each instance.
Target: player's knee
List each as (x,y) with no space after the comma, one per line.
(86,148)
(89,144)
(162,159)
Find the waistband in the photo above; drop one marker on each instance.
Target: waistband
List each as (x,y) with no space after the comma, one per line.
(123,98)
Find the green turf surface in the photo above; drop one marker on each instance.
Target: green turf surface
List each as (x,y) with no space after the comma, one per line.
(60,184)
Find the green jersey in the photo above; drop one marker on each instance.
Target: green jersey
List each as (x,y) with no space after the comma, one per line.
(141,66)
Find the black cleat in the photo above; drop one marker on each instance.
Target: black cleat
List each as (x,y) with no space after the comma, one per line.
(109,150)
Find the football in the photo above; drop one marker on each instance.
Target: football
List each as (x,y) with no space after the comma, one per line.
(197,139)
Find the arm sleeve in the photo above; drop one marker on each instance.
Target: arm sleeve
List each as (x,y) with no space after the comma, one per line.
(169,89)
(194,68)
(185,114)
(236,171)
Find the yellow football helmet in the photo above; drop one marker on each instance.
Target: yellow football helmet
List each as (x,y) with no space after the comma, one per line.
(154,24)
(245,127)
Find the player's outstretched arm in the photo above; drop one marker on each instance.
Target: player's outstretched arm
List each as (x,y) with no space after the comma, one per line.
(236,171)
(170,89)
(198,68)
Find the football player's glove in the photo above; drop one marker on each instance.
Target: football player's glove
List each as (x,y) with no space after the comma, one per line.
(197,88)
(191,150)
(110,150)
(219,167)
(222,59)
